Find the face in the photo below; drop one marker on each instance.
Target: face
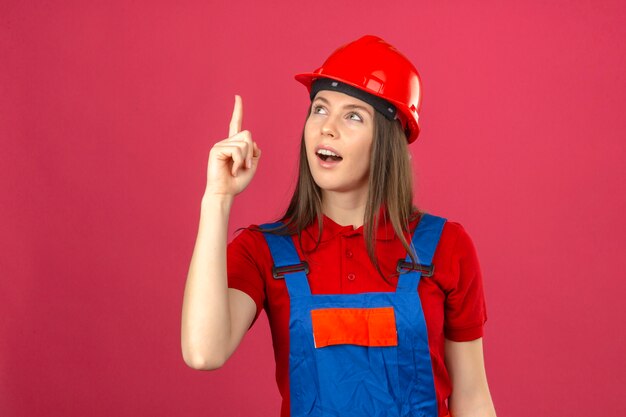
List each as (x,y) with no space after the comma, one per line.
(338,136)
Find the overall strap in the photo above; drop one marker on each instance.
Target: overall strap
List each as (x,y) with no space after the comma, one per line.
(424,242)
(287,263)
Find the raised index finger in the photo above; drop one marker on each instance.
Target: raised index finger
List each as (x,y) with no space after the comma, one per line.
(235,121)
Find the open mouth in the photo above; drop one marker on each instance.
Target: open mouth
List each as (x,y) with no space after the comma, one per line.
(328,156)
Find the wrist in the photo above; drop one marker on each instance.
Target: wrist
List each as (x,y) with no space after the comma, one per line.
(221,201)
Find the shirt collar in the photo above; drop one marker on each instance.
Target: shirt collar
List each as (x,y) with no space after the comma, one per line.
(330,229)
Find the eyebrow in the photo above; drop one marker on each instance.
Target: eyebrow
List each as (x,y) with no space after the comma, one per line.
(347,106)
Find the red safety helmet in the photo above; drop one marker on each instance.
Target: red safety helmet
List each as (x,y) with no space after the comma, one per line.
(374,66)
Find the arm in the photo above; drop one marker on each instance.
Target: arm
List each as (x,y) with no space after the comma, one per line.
(470,392)
(214,317)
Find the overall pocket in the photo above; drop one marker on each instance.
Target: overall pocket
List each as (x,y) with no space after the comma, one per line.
(357,360)
(354,326)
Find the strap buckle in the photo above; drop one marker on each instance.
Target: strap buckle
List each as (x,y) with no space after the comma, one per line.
(279,271)
(426,270)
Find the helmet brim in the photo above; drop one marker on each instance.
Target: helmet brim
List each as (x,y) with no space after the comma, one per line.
(307,78)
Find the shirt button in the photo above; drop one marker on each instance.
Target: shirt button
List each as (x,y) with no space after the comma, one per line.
(348,253)
(351,277)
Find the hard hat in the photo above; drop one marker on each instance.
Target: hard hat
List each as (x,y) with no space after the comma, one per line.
(374,66)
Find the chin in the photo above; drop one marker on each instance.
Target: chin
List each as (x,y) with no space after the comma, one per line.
(336,186)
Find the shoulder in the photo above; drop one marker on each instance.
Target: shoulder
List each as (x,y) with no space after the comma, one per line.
(249,242)
(455,247)
(459,240)
(455,260)
(247,235)
(454,236)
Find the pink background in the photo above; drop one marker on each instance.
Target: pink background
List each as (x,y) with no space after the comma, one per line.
(108,110)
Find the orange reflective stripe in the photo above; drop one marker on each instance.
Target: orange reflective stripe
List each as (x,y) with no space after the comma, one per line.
(355,326)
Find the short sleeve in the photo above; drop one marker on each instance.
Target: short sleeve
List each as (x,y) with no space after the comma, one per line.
(245,264)
(465,310)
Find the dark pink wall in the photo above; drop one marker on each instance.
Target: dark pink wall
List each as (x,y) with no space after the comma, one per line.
(107,113)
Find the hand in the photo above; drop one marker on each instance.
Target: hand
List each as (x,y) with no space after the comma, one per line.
(232,161)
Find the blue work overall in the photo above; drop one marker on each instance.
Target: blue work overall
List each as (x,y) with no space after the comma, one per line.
(390,374)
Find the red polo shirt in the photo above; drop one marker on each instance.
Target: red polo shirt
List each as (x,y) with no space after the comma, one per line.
(452,299)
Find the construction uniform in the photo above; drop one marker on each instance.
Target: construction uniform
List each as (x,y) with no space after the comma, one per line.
(348,342)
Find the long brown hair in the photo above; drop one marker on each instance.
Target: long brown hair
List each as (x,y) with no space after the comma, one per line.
(390,185)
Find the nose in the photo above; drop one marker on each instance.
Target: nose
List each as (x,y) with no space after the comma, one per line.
(329,128)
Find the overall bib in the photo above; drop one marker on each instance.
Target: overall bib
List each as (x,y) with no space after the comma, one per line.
(357,355)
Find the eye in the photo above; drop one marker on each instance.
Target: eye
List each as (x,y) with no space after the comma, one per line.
(355,116)
(317,109)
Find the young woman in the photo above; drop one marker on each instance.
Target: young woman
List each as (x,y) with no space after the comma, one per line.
(376,308)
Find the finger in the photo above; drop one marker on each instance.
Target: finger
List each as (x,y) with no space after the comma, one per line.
(244,139)
(249,150)
(237,117)
(237,163)
(231,150)
(256,152)
(244,135)
(234,153)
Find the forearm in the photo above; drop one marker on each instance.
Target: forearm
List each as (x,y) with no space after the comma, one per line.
(206,319)
(470,391)
(481,407)
(472,399)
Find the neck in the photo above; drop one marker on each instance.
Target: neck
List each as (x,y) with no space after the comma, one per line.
(345,209)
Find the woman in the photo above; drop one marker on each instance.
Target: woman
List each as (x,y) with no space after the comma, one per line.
(376,308)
